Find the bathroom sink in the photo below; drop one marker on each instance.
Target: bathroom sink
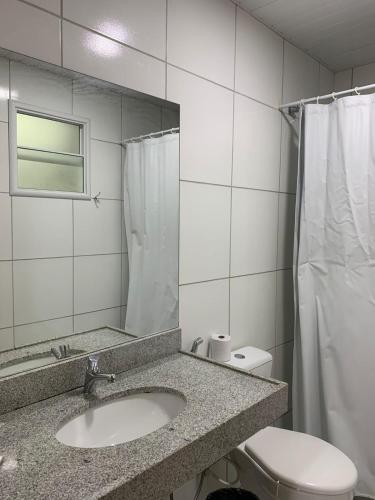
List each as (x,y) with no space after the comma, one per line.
(122,420)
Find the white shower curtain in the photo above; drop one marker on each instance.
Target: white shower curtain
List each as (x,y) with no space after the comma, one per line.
(151,207)
(334,356)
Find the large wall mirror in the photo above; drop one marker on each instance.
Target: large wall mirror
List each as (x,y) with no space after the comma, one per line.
(89,213)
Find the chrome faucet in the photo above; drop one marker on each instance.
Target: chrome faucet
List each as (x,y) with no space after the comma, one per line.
(197,342)
(93,375)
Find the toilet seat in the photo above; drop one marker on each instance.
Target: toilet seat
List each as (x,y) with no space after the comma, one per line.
(302,462)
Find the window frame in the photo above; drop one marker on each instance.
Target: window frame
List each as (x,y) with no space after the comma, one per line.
(84,123)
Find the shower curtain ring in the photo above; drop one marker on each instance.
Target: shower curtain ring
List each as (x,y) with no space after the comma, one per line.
(317,99)
(356,91)
(334,96)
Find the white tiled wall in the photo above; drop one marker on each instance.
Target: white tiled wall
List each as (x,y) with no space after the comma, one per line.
(63,265)
(230,73)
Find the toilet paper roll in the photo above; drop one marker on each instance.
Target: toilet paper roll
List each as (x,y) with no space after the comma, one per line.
(220,347)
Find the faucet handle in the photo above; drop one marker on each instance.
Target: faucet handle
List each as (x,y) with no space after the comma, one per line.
(93,364)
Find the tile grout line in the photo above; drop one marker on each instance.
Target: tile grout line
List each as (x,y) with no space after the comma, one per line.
(231,172)
(11,218)
(238,187)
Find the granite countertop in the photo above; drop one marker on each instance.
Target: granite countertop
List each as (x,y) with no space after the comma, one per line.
(224,407)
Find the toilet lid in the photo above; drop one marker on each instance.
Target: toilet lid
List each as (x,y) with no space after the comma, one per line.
(302,461)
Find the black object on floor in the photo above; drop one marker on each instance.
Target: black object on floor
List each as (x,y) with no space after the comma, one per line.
(231,494)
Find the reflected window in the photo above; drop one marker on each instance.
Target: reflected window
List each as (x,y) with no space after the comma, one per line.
(49,153)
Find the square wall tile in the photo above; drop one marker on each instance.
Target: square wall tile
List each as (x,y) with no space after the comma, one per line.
(41,87)
(201,38)
(326,80)
(42,227)
(343,80)
(6,339)
(254,231)
(6,294)
(4,158)
(95,55)
(256,148)
(98,319)
(282,368)
(301,75)
(252,310)
(106,168)
(204,232)
(204,310)
(289,153)
(4,88)
(51,5)
(286,231)
(40,332)
(97,283)
(206,127)
(30,31)
(103,108)
(140,24)
(259,60)
(43,289)
(139,117)
(97,229)
(284,307)
(5,227)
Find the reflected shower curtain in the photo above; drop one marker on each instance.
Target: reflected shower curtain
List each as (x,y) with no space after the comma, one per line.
(334,357)
(151,207)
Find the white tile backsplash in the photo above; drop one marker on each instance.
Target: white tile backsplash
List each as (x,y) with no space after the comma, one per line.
(4,89)
(282,368)
(42,289)
(40,332)
(41,88)
(98,56)
(106,167)
(201,38)
(51,5)
(4,157)
(206,124)
(259,60)
(30,31)
(97,283)
(204,310)
(204,232)
(98,319)
(42,227)
(97,228)
(5,227)
(6,294)
(289,153)
(301,75)
(284,307)
(140,24)
(6,339)
(256,148)
(254,231)
(102,108)
(286,231)
(252,310)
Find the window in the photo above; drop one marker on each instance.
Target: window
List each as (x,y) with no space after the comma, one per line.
(48,153)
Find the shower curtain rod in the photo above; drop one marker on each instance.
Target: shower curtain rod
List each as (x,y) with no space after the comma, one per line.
(293,107)
(140,137)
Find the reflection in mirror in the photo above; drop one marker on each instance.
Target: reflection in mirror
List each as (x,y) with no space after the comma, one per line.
(89,212)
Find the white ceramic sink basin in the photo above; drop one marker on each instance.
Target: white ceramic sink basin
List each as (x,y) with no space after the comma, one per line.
(121,420)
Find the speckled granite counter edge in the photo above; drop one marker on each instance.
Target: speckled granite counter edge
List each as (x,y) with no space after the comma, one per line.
(157,482)
(45,382)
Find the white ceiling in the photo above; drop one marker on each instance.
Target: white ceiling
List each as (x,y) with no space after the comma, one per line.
(339,33)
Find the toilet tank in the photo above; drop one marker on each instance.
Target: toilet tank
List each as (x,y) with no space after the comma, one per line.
(255,360)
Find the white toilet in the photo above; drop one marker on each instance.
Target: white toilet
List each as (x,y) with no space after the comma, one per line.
(280,464)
